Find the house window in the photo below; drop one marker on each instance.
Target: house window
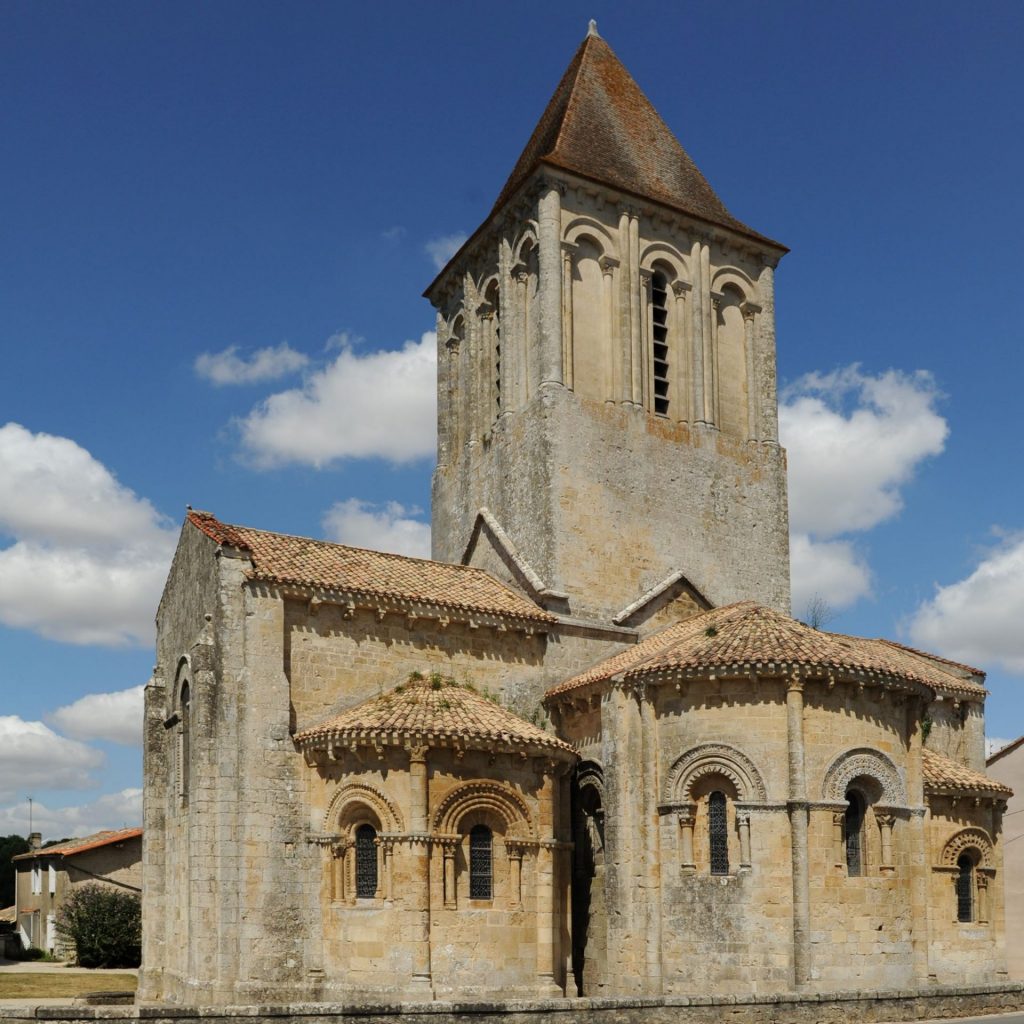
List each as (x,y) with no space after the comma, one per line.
(718,833)
(659,341)
(965,888)
(480,860)
(853,833)
(366,862)
(52,879)
(37,879)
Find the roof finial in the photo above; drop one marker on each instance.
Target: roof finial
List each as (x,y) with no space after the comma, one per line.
(592,28)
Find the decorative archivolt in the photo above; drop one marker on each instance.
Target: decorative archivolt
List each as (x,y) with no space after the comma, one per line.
(861,762)
(974,838)
(714,759)
(725,277)
(351,803)
(589,773)
(489,797)
(594,231)
(662,252)
(182,676)
(527,238)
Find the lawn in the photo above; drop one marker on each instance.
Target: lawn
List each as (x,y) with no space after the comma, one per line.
(16,985)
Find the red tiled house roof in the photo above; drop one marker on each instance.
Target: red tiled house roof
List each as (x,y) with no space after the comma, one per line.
(76,846)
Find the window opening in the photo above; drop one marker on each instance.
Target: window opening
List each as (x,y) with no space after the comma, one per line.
(659,338)
(718,833)
(366,862)
(853,827)
(965,888)
(480,879)
(185,746)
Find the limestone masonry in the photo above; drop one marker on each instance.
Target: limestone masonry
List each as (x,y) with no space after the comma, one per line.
(586,751)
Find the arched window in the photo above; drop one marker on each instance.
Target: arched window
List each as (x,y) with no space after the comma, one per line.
(718,833)
(853,833)
(366,862)
(965,888)
(480,874)
(184,745)
(659,342)
(493,299)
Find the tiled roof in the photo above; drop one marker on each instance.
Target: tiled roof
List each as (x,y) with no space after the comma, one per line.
(749,635)
(435,711)
(600,125)
(76,846)
(282,558)
(944,775)
(943,675)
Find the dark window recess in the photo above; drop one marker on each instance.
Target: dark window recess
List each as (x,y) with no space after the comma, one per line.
(480,880)
(965,889)
(659,334)
(718,833)
(366,862)
(853,827)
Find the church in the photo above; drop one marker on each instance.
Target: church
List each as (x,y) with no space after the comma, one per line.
(584,750)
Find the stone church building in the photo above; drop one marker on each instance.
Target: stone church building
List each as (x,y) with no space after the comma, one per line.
(585,750)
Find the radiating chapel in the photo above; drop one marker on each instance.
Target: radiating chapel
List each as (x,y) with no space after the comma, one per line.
(585,749)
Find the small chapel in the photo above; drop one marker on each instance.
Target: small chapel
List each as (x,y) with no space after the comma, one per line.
(584,750)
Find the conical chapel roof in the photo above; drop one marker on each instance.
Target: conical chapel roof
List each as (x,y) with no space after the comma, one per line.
(600,125)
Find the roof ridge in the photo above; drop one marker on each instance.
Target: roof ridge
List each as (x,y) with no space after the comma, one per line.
(932,657)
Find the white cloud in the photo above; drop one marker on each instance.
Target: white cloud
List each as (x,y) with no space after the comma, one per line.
(441,250)
(379,404)
(88,557)
(831,570)
(978,619)
(227,367)
(34,757)
(386,527)
(104,716)
(846,465)
(110,811)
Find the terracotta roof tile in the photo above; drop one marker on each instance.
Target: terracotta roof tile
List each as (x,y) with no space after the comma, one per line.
(76,846)
(282,558)
(600,125)
(944,775)
(435,710)
(746,634)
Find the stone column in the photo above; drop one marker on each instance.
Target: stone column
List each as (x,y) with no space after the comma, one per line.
(568,256)
(419,853)
(649,836)
(750,311)
(765,370)
(547,926)
(697,335)
(444,412)
(709,328)
(798,811)
(743,826)
(982,880)
(886,820)
(680,352)
(549,236)
(687,819)
(838,824)
(449,848)
(609,264)
(515,874)
(917,839)
(715,380)
(523,362)
(635,333)
(339,853)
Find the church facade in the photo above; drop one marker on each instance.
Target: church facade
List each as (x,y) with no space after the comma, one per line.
(584,750)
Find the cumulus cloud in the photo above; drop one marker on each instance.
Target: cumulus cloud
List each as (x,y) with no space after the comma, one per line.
(227,367)
(854,441)
(104,716)
(33,756)
(110,811)
(378,404)
(831,570)
(388,527)
(978,619)
(88,557)
(441,250)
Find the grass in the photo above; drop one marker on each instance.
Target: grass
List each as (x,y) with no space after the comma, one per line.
(46,985)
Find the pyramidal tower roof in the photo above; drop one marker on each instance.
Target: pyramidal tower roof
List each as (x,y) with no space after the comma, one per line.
(600,125)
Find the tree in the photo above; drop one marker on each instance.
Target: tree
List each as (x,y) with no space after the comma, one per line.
(105,925)
(10,846)
(819,612)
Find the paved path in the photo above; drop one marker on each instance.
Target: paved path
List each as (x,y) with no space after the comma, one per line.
(42,967)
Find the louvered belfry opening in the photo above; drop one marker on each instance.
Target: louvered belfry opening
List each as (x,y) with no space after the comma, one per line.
(659,339)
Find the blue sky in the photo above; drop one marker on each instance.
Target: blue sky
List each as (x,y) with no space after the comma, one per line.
(218,220)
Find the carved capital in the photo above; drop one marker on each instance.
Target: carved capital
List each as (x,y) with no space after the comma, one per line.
(608,265)
(417,752)
(680,288)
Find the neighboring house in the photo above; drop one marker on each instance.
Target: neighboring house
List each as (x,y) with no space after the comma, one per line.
(586,749)
(1007,765)
(45,877)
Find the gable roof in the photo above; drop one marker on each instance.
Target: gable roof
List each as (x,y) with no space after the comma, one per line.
(1003,751)
(600,125)
(303,561)
(944,775)
(75,846)
(436,711)
(748,635)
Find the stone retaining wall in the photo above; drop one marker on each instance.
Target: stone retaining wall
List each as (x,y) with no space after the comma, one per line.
(824,1008)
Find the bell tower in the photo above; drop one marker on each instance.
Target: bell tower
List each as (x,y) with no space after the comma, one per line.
(607,412)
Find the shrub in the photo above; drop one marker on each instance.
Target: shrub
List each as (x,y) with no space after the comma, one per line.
(105,925)
(26,953)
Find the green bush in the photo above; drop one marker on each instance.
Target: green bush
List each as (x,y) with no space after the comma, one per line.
(27,953)
(105,925)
